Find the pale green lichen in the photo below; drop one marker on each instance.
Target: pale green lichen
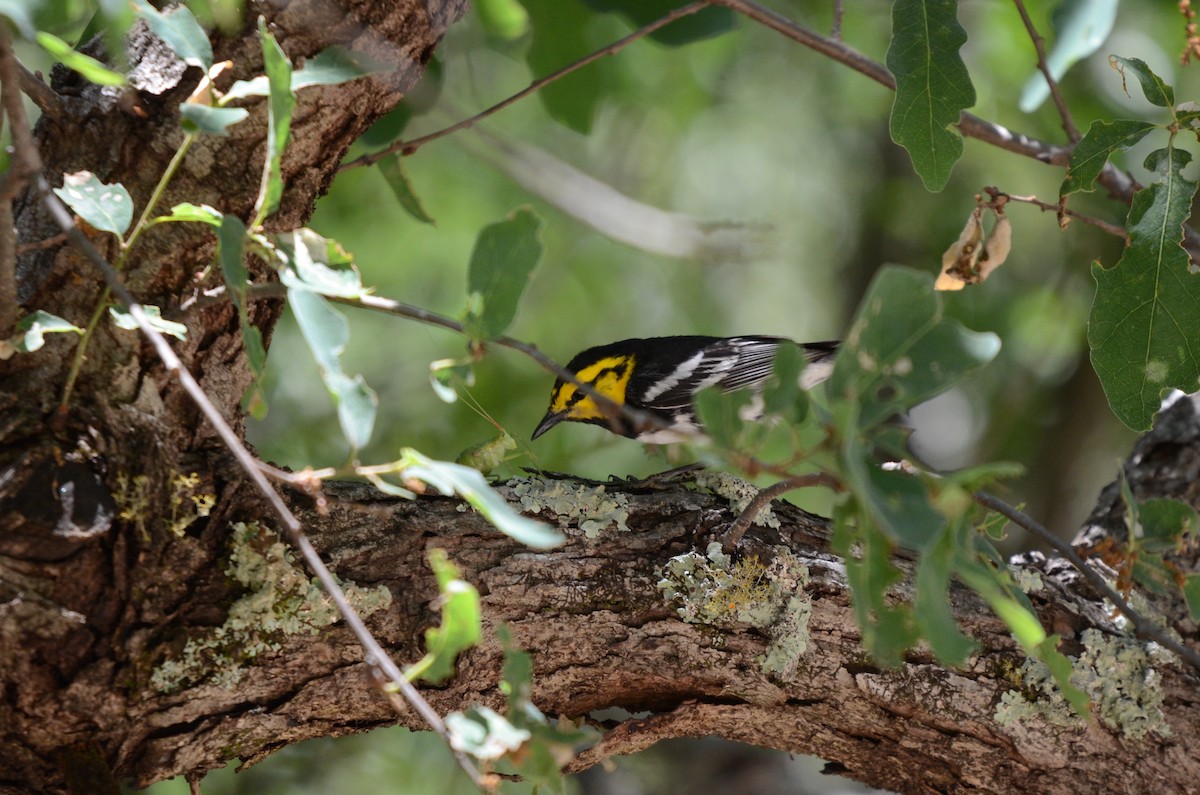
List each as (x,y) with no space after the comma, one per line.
(1117,675)
(188,502)
(1027,579)
(591,508)
(712,589)
(280,601)
(738,492)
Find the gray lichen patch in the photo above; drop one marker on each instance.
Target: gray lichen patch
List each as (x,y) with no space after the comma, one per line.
(1116,673)
(591,508)
(712,589)
(280,600)
(738,492)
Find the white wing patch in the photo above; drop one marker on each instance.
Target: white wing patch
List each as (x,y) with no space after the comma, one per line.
(681,373)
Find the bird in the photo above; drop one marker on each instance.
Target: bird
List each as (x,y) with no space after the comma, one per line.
(661,376)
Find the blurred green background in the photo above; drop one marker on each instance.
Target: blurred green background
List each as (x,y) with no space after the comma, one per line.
(784,158)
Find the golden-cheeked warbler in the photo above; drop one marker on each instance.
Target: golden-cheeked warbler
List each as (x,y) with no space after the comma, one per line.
(661,376)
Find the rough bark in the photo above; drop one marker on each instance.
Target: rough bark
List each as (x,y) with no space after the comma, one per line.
(100,598)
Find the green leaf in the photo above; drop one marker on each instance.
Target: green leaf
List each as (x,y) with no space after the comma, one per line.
(1096,147)
(106,207)
(317,264)
(331,66)
(279,122)
(483,733)
(694,27)
(488,455)
(1156,91)
(461,627)
(888,629)
(1144,329)
(1166,524)
(560,38)
(900,351)
(444,373)
(86,65)
(719,414)
(782,395)
(33,327)
(187,211)
(503,260)
(932,602)
(1191,593)
(895,502)
(231,241)
(197,118)
(181,32)
(932,85)
(392,169)
(125,320)
(469,484)
(503,20)
(326,331)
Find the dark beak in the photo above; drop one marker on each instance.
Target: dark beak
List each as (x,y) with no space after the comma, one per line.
(549,421)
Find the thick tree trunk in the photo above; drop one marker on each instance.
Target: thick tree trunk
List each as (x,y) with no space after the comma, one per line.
(140,640)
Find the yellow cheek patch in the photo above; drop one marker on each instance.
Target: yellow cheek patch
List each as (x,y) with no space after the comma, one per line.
(608,376)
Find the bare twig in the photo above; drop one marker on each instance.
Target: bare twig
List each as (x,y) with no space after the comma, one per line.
(375,656)
(1099,223)
(733,536)
(1142,627)
(25,163)
(1055,92)
(50,242)
(838,11)
(408,147)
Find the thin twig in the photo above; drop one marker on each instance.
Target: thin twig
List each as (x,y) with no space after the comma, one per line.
(408,147)
(838,11)
(733,536)
(1099,223)
(375,656)
(50,242)
(1142,627)
(1055,92)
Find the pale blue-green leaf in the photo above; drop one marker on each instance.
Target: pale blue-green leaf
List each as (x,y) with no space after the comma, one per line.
(1144,329)
(317,264)
(935,567)
(86,65)
(18,13)
(33,328)
(933,87)
(125,320)
(181,32)
(280,104)
(197,118)
(1080,27)
(328,67)
(327,332)
(470,485)
(445,373)
(483,733)
(106,207)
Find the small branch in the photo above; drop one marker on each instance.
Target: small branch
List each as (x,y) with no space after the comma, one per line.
(1055,92)
(1099,223)
(838,11)
(50,242)
(408,147)
(733,536)
(1142,627)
